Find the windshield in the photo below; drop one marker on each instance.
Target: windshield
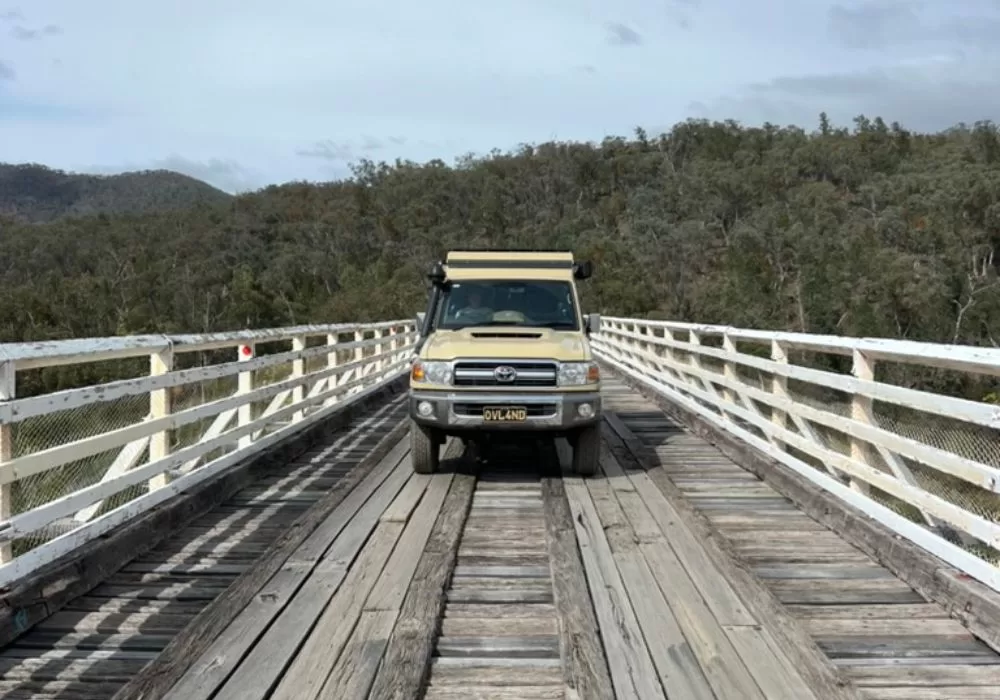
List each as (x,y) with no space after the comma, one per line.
(543,304)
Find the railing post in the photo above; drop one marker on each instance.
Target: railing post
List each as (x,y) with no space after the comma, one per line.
(298,370)
(244,414)
(359,356)
(729,369)
(861,410)
(694,359)
(393,346)
(8,390)
(377,355)
(159,407)
(779,387)
(332,339)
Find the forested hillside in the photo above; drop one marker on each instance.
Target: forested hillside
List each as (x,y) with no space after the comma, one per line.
(873,230)
(31,193)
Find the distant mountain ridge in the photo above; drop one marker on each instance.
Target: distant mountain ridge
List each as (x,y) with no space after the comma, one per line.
(35,193)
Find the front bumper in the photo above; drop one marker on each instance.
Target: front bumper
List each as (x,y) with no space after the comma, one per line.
(462,411)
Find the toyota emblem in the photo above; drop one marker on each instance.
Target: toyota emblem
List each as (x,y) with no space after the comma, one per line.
(505,374)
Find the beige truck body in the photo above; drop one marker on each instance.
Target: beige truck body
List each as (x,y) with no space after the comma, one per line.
(504,349)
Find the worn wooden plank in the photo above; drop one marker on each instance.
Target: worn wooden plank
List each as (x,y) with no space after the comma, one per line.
(499,626)
(377,582)
(922,611)
(490,692)
(532,610)
(56,690)
(181,653)
(968,600)
(932,693)
(769,666)
(686,523)
(905,627)
(390,590)
(483,674)
(282,599)
(355,669)
(930,675)
(724,670)
(407,656)
(633,674)
(503,636)
(262,667)
(321,650)
(673,654)
(399,510)
(500,647)
(585,667)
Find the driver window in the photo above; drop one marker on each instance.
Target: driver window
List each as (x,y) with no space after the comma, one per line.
(467,302)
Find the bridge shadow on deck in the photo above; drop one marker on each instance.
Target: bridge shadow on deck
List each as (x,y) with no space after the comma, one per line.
(96,643)
(873,628)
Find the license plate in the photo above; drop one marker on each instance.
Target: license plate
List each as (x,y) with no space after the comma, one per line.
(505,414)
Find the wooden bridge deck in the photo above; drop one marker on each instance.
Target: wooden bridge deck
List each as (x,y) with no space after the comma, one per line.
(674,574)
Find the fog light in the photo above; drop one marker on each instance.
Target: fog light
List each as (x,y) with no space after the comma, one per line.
(585,410)
(424,408)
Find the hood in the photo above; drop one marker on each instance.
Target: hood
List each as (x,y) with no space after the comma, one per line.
(507,342)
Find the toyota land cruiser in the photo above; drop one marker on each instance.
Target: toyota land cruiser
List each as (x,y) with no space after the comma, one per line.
(503,350)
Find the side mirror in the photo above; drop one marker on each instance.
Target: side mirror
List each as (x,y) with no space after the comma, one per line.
(583,270)
(593,323)
(420,320)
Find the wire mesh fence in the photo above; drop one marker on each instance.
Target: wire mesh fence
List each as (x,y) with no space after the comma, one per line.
(59,430)
(974,442)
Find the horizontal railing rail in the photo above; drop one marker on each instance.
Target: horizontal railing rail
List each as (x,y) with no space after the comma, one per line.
(107,428)
(924,463)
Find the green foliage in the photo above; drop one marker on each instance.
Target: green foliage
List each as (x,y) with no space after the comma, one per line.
(874,231)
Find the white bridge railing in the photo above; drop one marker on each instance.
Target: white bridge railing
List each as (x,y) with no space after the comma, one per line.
(146,417)
(925,464)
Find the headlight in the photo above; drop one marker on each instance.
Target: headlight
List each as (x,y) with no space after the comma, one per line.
(431,372)
(578,373)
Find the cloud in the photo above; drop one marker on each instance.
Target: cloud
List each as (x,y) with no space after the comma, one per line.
(296,90)
(622,35)
(927,95)
(883,24)
(6,72)
(347,151)
(875,24)
(23,34)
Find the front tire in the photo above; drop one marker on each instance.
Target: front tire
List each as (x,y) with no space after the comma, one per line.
(425,452)
(587,450)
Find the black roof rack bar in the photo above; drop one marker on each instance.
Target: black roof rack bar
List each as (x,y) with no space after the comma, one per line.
(514,264)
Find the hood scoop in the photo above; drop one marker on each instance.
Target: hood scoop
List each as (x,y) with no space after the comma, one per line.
(506,334)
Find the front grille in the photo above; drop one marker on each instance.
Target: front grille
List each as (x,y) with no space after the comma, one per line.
(535,410)
(483,374)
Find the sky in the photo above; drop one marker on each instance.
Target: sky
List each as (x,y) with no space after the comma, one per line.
(247,93)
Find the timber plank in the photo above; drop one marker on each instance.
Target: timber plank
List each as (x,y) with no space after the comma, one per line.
(157,678)
(313,587)
(281,597)
(632,671)
(859,614)
(585,667)
(971,602)
(407,656)
(686,522)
